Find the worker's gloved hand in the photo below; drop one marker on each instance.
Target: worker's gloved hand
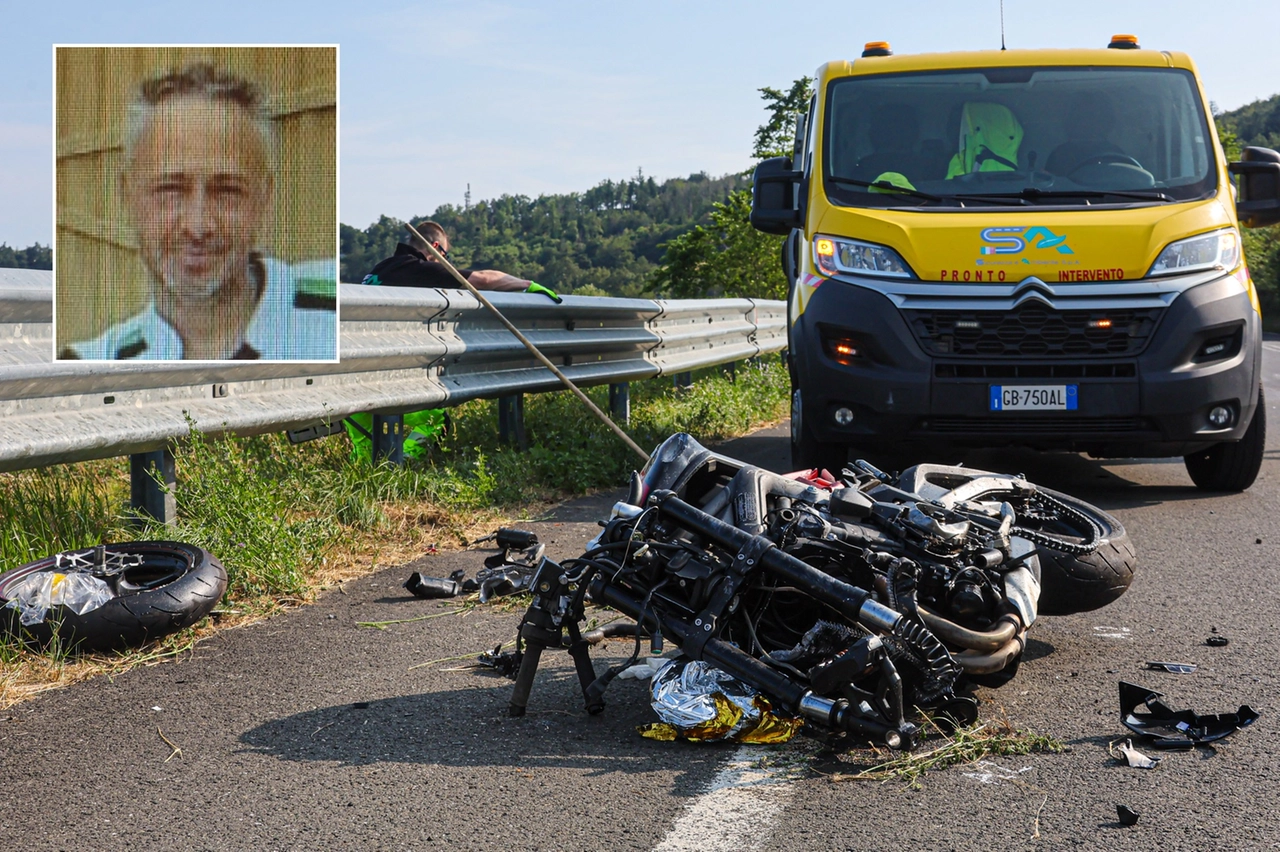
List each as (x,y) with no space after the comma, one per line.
(535,287)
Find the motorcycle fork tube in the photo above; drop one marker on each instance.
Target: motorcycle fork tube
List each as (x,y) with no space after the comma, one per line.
(850,601)
(790,696)
(716,651)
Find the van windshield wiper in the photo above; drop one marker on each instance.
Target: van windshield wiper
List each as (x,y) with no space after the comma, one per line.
(1034,193)
(886,186)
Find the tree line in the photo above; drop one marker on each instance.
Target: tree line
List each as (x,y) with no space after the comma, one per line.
(32,257)
(1257,124)
(608,240)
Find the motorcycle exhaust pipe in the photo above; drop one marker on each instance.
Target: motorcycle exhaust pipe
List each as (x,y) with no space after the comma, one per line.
(1000,634)
(1005,629)
(975,663)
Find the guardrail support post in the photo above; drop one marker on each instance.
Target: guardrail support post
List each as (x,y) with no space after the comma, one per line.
(684,380)
(149,497)
(620,401)
(511,421)
(388,438)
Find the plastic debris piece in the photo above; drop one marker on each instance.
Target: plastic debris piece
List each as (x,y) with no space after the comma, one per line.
(644,670)
(509,571)
(505,663)
(700,703)
(1174,668)
(1216,641)
(41,591)
(1133,757)
(1169,728)
(1127,815)
(432,587)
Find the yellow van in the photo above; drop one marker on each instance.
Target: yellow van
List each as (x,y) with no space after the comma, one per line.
(1034,247)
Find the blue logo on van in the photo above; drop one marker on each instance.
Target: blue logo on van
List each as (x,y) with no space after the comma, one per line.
(1015,240)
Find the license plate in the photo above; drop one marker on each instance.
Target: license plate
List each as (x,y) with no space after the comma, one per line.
(1033,397)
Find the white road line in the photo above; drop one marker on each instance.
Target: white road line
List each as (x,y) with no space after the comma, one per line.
(737,812)
(1271,346)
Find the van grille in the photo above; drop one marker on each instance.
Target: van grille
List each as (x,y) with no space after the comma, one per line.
(1025,425)
(1021,370)
(1033,330)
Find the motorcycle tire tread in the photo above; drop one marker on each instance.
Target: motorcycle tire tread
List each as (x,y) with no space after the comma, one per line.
(1071,584)
(134,618)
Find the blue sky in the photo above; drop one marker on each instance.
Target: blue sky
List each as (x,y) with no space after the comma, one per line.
(522,97)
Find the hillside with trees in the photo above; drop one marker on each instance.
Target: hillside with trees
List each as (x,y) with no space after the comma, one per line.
(605,241)
(683,238)
(1258,124)
(32,257)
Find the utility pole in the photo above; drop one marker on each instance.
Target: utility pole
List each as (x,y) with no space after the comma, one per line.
(466,199)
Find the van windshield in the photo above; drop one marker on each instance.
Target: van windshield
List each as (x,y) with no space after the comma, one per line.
(1065,137)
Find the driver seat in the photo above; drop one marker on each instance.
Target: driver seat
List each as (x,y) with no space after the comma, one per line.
(1073,153)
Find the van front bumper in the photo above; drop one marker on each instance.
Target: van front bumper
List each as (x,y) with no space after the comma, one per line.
(916,377)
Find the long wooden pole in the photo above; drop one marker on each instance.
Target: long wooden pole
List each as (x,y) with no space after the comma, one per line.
(546,362)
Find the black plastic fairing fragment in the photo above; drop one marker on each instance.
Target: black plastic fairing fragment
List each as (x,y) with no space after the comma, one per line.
(422,586)
(1169,728)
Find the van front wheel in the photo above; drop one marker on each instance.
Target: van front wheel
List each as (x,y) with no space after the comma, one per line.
(806,451)
(1232,466)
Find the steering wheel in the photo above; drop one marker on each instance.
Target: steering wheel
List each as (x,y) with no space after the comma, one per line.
(1105,159)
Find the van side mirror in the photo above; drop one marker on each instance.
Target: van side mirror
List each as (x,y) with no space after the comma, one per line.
(774,207)
(1259,201)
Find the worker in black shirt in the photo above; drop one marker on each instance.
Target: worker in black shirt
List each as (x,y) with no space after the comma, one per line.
(413,266)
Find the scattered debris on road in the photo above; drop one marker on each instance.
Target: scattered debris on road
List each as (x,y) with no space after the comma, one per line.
(1176,729)
(506,572)
(1127,815)
(1217,641)
(1130,755)
(1172,668)
(430,588)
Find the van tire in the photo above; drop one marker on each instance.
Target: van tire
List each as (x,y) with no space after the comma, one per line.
(1232,465)
(807,452)
(176,585)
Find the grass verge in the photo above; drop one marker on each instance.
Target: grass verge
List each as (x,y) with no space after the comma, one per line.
(289,521)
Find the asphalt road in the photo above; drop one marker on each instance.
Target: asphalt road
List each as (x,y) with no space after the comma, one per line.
(310,731)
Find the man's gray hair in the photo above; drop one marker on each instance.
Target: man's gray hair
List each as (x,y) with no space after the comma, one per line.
(201,80)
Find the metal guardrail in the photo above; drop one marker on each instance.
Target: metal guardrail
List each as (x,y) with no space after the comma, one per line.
(401,350)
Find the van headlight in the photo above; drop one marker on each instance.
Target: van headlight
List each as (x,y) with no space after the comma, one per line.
(834,256)
(1215,250)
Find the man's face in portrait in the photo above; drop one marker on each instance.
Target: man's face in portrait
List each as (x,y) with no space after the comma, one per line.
(197,188)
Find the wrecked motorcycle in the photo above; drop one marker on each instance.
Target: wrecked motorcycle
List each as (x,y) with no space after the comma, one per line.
(846,602)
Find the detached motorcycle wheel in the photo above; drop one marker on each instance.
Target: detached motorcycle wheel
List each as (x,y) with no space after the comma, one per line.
(175,586)
(1070,583)
(1232,466)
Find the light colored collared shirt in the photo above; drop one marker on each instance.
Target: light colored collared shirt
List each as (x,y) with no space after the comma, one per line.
(296,320)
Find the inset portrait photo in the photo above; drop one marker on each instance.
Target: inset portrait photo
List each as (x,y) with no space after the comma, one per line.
(196,199)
